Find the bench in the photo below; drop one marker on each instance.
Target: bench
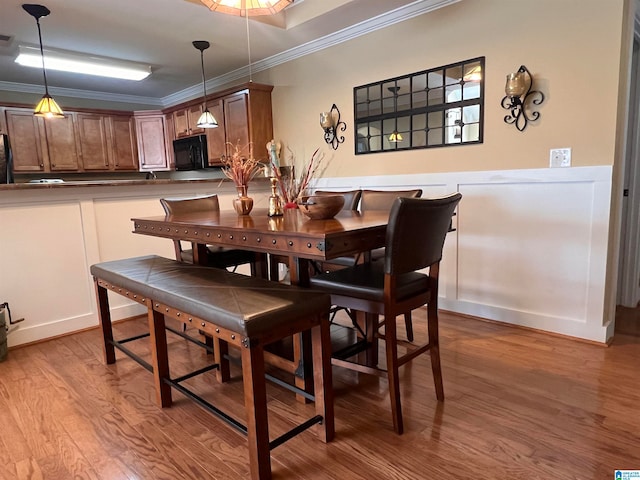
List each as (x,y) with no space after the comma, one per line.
(234,309)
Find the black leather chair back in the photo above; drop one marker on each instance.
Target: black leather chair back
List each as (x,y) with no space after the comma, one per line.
(383,199)
(416,232)
(351,197)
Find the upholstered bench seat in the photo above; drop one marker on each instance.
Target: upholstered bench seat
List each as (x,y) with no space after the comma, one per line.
(246,305)
(244,311)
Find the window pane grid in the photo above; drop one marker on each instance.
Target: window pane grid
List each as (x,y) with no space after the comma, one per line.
(432,108)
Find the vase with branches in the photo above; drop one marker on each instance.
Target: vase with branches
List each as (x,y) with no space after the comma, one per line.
(241,167)
(294,183)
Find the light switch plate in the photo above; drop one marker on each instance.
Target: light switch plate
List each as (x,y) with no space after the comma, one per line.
(560,157)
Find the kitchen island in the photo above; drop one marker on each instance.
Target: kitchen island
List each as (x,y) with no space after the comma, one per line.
(51,233)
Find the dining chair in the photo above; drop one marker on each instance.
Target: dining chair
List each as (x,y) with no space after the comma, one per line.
(217,257)
(351,197)
(414,240)
(375,200)
(351,201)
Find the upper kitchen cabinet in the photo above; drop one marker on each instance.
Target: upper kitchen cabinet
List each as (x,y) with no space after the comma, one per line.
(26,135)
(184,121)
(92,140)
(248,120)
(216,138)
(153,144)
(244,119)
(3,121)
(62,144)
(106,142)
(121,143)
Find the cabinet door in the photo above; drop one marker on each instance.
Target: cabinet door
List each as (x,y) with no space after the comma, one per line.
(194,113)
(216,140)
(181,123)
(62,147)
(3,121)
(152,148)
(24,135)
(121,140)
(236,122)
(184,121)
(92,138)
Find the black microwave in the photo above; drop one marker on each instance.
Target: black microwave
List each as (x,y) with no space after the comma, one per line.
(190,153)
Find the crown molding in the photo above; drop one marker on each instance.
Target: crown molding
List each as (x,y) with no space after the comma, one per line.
(401,14)
(73,93)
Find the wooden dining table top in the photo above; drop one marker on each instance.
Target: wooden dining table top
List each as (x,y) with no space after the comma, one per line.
(292,234)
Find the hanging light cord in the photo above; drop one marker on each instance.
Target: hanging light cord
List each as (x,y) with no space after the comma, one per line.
(246,15)
(44,70)
(204,86)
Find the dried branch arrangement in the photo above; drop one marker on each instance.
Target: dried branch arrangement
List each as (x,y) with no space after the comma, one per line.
(240,166)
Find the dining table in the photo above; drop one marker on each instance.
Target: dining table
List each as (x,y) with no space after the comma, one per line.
(292,235)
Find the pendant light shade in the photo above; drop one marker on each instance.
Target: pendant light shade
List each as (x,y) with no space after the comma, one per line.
(249,8)
(206,120)
(47,107)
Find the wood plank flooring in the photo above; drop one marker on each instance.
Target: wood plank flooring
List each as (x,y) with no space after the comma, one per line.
(519,405)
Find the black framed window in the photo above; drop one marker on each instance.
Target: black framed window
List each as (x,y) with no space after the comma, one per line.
(439,107)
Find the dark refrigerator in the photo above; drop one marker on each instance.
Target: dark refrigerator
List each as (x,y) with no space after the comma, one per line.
(6,160)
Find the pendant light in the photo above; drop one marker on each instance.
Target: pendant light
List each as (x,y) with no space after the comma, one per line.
(47,107)
(206,120)
(249,8)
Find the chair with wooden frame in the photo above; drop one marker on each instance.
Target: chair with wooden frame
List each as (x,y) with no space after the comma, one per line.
(414,240)
(217,257)
(376,200)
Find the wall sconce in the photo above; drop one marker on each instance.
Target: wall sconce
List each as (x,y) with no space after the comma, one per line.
(518,90)
(331,124)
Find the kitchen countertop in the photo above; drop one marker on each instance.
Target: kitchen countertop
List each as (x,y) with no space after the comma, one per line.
(106,183)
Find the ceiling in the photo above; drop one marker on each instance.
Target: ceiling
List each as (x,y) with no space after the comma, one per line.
(159,33)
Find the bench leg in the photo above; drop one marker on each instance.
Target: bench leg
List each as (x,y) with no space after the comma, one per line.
(323,379)
(255,401)
(220,354)
(159,357)
(105,324)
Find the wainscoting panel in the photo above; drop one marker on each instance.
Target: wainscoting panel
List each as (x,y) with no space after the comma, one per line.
(530,246)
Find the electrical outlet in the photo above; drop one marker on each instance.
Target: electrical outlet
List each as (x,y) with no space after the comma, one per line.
(560,157)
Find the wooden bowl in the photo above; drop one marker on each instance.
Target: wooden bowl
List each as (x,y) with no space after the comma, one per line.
(321,207)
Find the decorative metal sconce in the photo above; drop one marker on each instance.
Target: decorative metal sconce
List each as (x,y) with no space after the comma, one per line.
(330,122)
(518,90)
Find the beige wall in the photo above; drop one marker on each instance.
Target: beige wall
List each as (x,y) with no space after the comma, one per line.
(571,46)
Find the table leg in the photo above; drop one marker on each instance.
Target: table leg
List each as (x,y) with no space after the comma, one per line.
(299,275)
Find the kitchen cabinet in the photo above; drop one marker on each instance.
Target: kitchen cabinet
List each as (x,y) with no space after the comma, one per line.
(92,141)
(26,135)
(62,144)
(216,138)
(184,121)
(244,119)
(121,143)
(3,121)
(153,145)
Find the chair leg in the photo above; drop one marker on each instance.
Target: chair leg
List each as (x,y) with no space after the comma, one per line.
(434,350)
(409,326)
(392,372)
(105,324)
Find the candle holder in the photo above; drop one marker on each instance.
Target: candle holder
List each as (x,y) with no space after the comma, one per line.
(331,124)
(519,98)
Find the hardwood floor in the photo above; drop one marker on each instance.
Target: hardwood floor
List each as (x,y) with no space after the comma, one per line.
(519,405)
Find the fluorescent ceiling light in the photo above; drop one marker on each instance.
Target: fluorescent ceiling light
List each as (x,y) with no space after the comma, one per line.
(80,63)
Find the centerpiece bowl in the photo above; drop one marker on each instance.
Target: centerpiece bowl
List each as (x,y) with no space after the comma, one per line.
(321,207)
